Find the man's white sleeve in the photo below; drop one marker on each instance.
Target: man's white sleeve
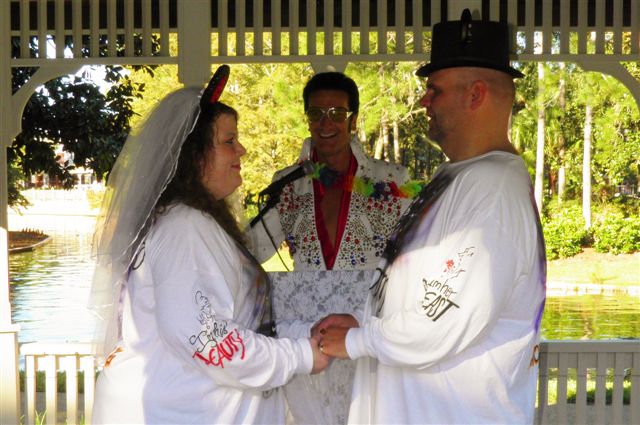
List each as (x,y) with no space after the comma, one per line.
(449,298)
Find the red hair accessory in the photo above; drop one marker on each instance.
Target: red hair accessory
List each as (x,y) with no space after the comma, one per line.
(215,87)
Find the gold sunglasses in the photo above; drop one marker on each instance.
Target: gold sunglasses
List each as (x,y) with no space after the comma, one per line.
(337,115)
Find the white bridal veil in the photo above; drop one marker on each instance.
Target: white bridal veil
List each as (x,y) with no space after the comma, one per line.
(145,166)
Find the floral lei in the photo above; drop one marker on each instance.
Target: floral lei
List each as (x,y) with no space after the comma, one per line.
(329,177)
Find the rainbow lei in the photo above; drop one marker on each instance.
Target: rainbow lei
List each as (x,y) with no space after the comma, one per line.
(378,190)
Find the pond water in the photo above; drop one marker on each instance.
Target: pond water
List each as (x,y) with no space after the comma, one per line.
(50,288)
(591,317)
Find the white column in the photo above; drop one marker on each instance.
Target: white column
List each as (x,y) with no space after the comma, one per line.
(194,42)
(9,383)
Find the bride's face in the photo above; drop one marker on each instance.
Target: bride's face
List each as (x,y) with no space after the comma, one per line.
(221,171)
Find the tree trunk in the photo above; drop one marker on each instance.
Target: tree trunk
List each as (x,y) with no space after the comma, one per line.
(385,141)
(377,153)
(539,182)
(561,142)
(396,143)
(586,168)
(562,178)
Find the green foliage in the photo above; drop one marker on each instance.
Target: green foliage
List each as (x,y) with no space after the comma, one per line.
(616,157)
(14,176)
(157,83)
(617,234)
(73,113)
(93,125)
(615,127)
(626,205)
(272,124)
(390,94)
(389,91)
(564,233)
(95,197)
(40,419)
(615,228)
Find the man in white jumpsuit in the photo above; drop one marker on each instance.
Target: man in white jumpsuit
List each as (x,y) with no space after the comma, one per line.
(450,334)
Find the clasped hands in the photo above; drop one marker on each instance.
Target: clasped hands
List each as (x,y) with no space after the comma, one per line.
(329,333)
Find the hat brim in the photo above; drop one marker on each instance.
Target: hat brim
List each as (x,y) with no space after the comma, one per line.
(430,68)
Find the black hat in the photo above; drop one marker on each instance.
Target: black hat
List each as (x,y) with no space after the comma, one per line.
(483,44)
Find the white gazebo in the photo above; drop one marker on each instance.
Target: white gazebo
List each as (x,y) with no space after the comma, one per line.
(251,31)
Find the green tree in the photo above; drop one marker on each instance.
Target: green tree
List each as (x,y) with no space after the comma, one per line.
(272,123)
(617,149)
(157,82)
(75,113)
(614,133)
(389,98)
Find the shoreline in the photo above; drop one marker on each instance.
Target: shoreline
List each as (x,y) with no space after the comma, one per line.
(29,247)
(80,208)
(559,289)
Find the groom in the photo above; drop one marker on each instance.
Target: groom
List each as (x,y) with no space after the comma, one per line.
(451,333)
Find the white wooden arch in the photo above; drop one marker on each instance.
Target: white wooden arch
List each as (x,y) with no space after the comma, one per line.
(268,31)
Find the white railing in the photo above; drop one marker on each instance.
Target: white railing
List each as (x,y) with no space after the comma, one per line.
(598,366)
(590,365)
(58,37)
(628,190)
(54,358)
(271,31)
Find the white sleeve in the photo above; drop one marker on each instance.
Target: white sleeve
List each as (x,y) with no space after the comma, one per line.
(450,298)
(259,241)
(195,310)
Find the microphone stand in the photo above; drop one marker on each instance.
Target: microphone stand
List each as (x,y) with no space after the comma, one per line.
(271,202)
(275,188)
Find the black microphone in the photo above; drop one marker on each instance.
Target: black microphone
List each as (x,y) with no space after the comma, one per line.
(274,189)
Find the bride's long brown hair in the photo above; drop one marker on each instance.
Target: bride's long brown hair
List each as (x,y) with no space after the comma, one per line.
(186,185)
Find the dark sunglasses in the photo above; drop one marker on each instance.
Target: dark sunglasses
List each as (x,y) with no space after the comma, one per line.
(337,115)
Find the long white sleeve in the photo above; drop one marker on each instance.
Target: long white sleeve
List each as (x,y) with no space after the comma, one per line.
(443,298)
(201,306)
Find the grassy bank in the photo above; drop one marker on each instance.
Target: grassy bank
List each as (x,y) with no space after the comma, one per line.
(592,267)
(586,267)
